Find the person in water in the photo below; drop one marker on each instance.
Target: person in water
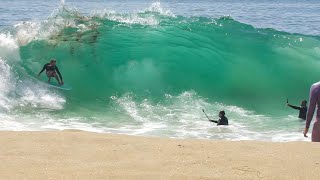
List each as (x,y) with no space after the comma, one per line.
(223,120)
(52,70)
(314,101)
(302,109)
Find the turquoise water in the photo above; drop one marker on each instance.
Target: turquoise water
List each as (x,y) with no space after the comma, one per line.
(149,68)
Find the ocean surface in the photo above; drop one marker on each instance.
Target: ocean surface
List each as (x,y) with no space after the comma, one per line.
(149,67)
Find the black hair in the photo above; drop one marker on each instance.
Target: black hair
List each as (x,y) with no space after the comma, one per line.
(222,112)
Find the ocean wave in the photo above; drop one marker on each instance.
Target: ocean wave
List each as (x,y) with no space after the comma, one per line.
(157,70)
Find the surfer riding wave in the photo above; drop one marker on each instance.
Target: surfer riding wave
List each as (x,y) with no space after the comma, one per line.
(52,70)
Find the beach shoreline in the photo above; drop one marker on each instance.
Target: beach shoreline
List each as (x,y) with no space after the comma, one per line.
(85,155)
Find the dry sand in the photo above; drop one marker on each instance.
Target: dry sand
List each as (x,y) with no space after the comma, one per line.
(84,155)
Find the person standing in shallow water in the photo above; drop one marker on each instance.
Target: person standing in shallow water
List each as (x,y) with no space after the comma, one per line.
(314,101)
(302,109)
(223,120)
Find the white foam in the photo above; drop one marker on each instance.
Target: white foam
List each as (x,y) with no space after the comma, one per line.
(156,7)
(37,96)
(6,85)
(64,17)
(136,18)
(181,117)
(178,117)
(7,41)
(9,48)
(10,123)
(26,32)
(128,18)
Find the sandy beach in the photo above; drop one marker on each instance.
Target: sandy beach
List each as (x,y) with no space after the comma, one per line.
(84,155)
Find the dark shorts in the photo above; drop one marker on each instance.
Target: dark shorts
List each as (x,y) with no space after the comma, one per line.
(51,73)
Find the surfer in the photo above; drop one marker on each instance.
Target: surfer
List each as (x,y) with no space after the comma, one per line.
(302,109)
(223,120)
(314,101)
(52,70)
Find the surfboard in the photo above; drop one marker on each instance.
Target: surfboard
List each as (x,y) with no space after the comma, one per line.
(53,83)
(58,86)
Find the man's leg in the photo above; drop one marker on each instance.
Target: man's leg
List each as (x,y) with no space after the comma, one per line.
(57,78)
(49,75)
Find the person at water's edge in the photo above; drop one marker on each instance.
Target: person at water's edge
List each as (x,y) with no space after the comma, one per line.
(223,119)
(302,109)
(314,105)
(52,70)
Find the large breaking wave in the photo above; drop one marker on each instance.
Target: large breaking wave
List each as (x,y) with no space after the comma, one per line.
(152,72)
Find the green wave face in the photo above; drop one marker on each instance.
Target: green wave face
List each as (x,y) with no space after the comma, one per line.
(152,73)
(150,54)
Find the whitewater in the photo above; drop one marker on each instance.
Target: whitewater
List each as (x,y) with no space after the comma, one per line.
(151,72)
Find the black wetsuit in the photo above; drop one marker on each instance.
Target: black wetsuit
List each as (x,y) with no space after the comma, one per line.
(222,121)
(49,67)
(302,111)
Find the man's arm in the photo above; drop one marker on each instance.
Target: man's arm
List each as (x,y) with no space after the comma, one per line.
(294,107)
(214,121)
(59,74)
(44,67)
